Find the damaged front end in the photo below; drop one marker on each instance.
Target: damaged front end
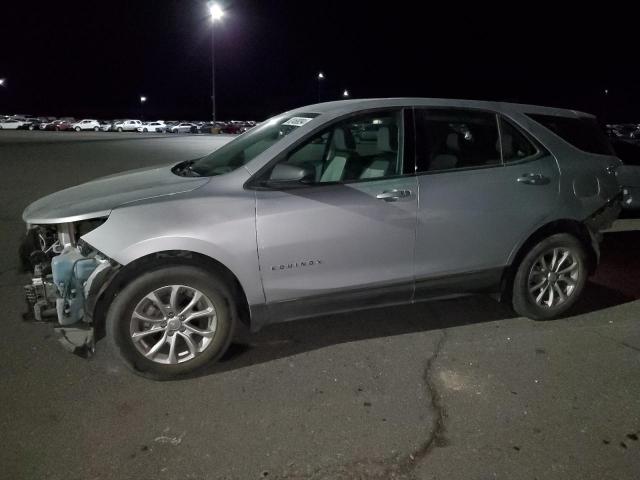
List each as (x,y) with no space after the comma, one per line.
(68,276)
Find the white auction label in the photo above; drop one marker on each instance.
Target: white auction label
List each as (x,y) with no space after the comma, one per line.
(297,121)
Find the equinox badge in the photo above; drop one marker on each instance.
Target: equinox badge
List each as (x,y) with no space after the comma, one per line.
(303,263)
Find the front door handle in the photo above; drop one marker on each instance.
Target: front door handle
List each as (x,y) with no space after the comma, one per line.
(393,195)
(533,179)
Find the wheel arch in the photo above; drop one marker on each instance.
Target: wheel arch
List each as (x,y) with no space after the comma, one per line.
(153,261)
(570,226)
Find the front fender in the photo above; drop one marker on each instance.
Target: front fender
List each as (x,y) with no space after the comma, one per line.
(222,229)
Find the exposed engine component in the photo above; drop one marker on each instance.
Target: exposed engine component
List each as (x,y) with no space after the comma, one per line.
(70,271)
(39,245)
(41,295)
(66,272)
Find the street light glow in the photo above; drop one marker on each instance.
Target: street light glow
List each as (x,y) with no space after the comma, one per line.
(345,93)
(1,82)
(216,11)
(321,76)
(143,99)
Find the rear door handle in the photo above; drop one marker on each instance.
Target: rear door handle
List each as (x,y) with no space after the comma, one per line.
(533,179)
(393,195)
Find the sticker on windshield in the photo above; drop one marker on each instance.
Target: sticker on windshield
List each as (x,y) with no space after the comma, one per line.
(297,121)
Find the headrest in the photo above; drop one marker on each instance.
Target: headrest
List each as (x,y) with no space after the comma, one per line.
(453,142)
(387,139)
(343,140)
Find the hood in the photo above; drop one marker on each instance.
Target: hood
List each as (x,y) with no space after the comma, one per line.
(97,198)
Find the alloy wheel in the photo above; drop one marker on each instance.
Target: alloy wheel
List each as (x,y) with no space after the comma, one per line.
(173,324)
(553,277)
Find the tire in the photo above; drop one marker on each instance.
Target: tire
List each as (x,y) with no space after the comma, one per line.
(77,129)
(96,129)
(120,322)
(31,127)
(145,130)
(566,276)
(119,129)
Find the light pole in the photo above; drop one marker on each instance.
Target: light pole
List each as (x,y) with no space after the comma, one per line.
(345,94)
(142,100)
(216,13)
(320,79)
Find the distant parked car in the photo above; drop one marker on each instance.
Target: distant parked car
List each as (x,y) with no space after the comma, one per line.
(626,130)
(30,124)
(152,127)
(11,124)
(127,126)
(182,128)
(86,124)
(57,125)
(204,127)
(629,174)
(233,128)
(105,125)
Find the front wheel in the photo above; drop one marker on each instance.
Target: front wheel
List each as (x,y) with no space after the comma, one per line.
(96,129)
(77,129)
(119,129)
(171,321)
(550,278)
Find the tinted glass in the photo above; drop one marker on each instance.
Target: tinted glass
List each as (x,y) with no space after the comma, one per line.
(583,133)
(448,139)
(249,145)
(515,146)
(363,147)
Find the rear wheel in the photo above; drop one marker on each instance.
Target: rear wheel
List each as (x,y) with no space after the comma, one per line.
(171,321)
(96,129)
(120,129)
(550,278)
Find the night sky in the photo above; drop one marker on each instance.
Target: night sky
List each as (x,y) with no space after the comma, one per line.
(95,59)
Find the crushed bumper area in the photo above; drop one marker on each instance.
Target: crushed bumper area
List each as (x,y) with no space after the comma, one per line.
(604,217)
(79,340)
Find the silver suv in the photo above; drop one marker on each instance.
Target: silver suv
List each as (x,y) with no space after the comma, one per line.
(327,208)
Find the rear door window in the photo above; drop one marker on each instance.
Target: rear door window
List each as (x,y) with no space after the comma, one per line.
(455,139)
(515,145)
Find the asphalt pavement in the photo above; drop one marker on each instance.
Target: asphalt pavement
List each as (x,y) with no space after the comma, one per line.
(455,389)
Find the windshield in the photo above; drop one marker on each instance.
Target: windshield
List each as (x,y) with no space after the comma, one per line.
(246,147)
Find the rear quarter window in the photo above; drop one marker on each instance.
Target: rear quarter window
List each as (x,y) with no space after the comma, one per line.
(583,133)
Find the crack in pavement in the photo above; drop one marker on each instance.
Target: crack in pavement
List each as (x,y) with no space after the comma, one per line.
(398,467)
(619,342)
(436,438)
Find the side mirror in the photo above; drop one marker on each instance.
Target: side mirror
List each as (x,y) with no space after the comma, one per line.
(285,175)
